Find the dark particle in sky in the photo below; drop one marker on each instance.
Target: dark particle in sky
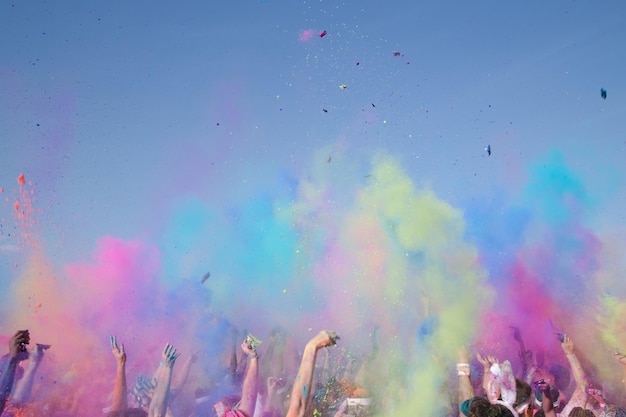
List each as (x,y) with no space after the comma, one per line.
(205,277)
(603,93)
(325,111)
(488,149)
(324,33)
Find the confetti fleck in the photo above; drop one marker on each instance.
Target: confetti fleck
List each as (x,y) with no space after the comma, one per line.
(358,63)
(373,105)
(330,158)
(21,180)
(488,149)
(396,53)
(603,93)
(325,111)
(343,86)
(324,33)
(205,277)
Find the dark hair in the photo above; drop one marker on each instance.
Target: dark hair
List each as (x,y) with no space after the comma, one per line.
(523,392)
(129,412)
(580,412)
(479,407)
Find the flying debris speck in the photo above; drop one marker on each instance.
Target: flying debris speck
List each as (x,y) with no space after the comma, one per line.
(396,53)
(343,86)
(205,277)
(488,149)
(330,158)
(373,105)
(324,33)
(603,93)
(325,111)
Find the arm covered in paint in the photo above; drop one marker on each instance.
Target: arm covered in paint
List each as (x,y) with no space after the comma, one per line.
(180,382)
(466,390)
(24,387)
(16,349)
(158,405)
(486,362)
(546,402)
(302,385)
(577,369)
(249,387)
(120,402)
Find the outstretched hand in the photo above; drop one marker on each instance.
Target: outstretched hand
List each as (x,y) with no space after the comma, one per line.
(17,344)
(118,351)
(486,361)
(170,355)
(324,338)
(247,349)
(36,355)
(567,345)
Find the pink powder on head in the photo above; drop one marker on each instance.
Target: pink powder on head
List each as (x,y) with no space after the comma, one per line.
(306,35)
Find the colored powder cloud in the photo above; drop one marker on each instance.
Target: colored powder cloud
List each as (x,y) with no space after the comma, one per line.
(306,35)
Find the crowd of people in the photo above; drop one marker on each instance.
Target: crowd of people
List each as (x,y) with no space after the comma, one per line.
(296,384)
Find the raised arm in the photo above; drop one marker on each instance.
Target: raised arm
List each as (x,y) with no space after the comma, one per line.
(158,405)
(181,380)
(17,348)
(487,362)
(120,402)
(524,354)
(249,388)
(547,404)
(577,369)
(302,385)
(466,390)
(24,387)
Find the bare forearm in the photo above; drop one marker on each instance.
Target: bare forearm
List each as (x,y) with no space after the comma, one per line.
(577,370)
(158,405)
(301,387)
(249,387)
(24,387)
(6,382)
(548,407)
(120,401)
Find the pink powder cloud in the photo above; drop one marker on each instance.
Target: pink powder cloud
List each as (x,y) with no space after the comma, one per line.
(306,35)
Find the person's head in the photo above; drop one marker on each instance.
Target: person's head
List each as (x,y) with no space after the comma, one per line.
(580,412)
(479,407)
(523,397)
(129,412)
(498,410)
